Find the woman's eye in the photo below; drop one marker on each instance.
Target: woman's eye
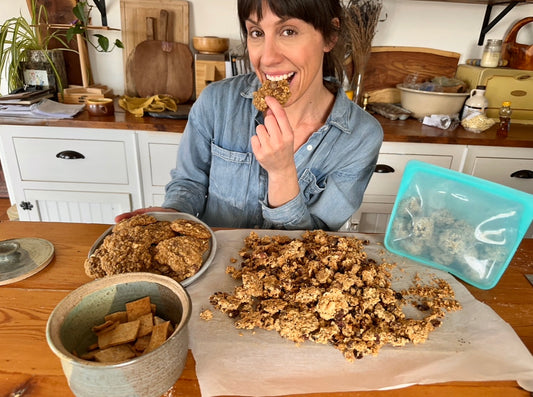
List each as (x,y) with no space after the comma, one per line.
(254,33)
(288,32)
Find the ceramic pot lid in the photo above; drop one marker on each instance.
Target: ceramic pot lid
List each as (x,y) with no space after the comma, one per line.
(21,258)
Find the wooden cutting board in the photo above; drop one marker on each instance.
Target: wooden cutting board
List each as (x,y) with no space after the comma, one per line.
(150,35)
(162,66)
(133,21)
(389,65)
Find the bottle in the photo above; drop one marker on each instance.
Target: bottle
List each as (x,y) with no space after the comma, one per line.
(476,103)
(491,53)
(347,89)
(505,119)
(366,98)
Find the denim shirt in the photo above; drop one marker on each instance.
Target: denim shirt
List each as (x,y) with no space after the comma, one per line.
(219,180)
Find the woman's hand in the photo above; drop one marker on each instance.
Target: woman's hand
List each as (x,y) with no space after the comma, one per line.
(140,211)
(273,147)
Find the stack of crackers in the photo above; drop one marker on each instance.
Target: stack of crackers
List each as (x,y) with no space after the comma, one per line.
(127,334)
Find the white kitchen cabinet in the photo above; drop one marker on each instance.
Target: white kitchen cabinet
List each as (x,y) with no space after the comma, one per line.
(90,175)
(60,174)
(374,213)
(509,166)
(158,154)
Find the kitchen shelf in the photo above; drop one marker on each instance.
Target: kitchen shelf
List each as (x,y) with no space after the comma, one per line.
(488,24)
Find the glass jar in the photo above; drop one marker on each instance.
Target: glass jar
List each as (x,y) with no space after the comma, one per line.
(491,53)
(505,119)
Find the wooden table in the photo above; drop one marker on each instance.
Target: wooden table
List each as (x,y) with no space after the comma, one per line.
(29,368)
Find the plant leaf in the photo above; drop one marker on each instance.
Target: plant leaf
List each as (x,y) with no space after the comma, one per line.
(103,42)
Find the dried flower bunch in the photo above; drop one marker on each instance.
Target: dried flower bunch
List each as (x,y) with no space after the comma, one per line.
(362,17)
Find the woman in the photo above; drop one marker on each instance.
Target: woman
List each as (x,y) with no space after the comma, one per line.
(303,165)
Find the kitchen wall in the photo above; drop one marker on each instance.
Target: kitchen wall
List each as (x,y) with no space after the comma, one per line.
(443,25)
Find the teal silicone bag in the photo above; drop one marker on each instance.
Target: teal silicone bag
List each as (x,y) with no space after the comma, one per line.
(464,225)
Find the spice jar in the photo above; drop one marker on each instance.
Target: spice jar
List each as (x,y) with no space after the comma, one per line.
(491,53)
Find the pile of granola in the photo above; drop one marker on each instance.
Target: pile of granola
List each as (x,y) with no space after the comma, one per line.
(323,288)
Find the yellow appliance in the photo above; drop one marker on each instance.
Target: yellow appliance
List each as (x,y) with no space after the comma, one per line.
(502,84)
(208,68)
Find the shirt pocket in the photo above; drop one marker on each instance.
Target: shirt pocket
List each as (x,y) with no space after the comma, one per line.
(309,185)
(229,178)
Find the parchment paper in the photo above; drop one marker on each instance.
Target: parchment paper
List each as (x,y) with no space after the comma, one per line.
(473,344)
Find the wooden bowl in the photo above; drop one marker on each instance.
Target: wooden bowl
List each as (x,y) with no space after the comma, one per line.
(210,44)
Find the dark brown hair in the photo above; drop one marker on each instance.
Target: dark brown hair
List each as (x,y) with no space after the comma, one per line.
(318,13)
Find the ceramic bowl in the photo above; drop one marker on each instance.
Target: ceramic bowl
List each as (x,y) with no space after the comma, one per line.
(152,374)
(210,44)
(425,103)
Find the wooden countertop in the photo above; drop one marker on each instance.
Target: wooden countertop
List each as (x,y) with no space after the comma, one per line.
(29,368)
(409,130)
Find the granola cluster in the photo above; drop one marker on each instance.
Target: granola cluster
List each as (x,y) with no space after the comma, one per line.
(277,89)
(144,244)
(324,288)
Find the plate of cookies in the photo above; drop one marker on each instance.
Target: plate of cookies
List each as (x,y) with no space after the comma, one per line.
(173,244)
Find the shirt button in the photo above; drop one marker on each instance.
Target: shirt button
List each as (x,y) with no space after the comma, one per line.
(309,147)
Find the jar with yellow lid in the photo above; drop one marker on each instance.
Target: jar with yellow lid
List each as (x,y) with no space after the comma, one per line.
(505,119)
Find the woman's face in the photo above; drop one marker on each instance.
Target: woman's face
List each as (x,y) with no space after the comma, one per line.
(287,48)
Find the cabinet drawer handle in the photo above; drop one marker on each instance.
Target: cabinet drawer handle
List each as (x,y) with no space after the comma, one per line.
(523,174)
(69,155)
(383,169)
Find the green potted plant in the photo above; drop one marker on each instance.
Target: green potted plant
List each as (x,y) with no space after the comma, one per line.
(19,37)
(38,41)
(82,12)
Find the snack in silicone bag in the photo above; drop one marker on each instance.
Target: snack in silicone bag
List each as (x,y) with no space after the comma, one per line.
(458,223)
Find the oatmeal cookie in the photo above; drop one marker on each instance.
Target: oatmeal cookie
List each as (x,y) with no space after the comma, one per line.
(144,244)
(183,254)
(277,89)
(137,220)
(186,227)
